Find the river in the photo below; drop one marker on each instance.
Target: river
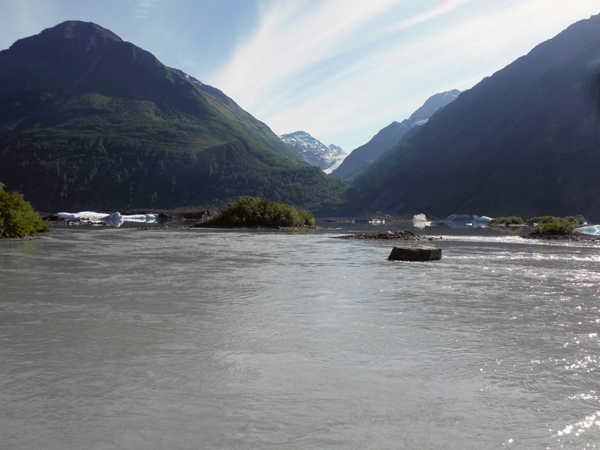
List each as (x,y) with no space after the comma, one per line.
(215,339)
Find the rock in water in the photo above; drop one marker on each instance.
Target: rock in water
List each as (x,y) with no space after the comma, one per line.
(416,253)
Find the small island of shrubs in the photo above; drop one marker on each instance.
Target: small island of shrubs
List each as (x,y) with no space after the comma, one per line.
(542,225)
(554,226)
(255,212)
(17,217)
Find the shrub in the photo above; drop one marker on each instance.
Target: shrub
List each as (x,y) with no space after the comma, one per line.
(545,219)
(557,226)
(17,217)
(252,212)
(542,219)
(512,220)
(575,220)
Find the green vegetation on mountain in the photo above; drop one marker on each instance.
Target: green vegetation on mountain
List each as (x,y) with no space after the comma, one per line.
(523,141)
(252,212)
(88,121)
(17,217)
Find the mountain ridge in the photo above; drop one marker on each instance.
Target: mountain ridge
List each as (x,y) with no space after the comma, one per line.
(521,142)
(314,151)
(362,157)
(90,121)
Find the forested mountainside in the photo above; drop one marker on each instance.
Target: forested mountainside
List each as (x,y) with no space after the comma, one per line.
(88,121)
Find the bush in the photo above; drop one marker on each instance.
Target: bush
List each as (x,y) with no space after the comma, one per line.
(578,221)
(252,212)
(17,217)
(556,226)
(542,219)
(512,220)
(545,219)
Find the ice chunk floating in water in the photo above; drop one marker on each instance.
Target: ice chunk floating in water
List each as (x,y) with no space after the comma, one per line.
(115,219)
(593,230)
(466,221)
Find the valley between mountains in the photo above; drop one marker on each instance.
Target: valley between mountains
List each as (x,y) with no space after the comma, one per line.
(91,122)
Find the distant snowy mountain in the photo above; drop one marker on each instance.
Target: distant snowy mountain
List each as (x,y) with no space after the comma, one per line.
(314,151)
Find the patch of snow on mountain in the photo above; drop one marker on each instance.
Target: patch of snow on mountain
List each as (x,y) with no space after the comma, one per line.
(314,152)
(335,165)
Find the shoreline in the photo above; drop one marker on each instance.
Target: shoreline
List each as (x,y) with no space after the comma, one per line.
(563,237)
(30,237)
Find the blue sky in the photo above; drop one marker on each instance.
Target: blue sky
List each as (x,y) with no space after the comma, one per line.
(339,69)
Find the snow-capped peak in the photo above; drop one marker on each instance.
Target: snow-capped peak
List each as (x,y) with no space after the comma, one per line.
(313,150)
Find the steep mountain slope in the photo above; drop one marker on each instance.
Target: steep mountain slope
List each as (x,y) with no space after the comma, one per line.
(90,121)
(387,138)
(524,141)
(314,151)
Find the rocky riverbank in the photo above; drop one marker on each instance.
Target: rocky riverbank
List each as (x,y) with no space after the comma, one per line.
(378,235)
(563,237)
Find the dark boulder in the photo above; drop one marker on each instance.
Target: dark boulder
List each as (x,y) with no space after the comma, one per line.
(415,253)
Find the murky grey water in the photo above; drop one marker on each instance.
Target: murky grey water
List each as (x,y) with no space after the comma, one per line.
(128,339)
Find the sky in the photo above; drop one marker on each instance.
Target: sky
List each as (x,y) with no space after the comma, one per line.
(340,70)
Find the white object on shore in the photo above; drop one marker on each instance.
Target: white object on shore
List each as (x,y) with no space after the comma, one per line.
(115,219)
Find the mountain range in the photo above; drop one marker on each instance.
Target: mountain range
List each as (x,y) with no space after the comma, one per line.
(387,138)
(88,121)
(314,151)
(524,141)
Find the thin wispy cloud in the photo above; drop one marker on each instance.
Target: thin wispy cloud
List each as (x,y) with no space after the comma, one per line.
(292,36)
(320,55)
(436,11)
(143,8)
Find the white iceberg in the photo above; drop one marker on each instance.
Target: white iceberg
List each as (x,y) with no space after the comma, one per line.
(420,221)
(593,230)
(466,218)
(115,219)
